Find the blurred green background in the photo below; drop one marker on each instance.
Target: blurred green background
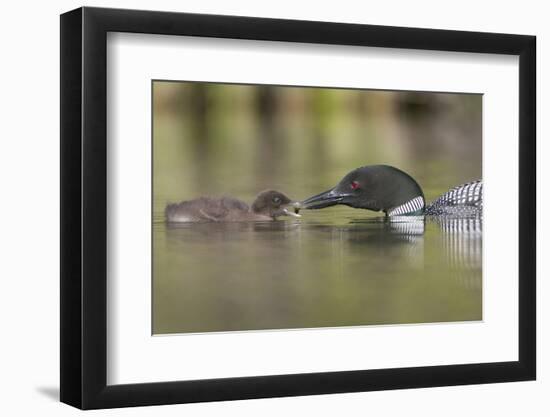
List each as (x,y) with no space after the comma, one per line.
(222,139)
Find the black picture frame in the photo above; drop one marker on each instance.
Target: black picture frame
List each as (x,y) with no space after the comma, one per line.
(84,207)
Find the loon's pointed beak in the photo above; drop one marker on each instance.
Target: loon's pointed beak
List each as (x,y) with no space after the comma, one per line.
(319,201)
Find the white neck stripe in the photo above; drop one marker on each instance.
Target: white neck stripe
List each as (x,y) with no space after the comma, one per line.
(410,206)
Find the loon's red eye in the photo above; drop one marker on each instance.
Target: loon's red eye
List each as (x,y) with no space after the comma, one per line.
(354,185)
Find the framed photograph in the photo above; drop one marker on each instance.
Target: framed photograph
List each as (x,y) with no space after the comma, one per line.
(258,208)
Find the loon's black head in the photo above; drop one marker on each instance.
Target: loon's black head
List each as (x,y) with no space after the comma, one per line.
(273,204)
(374,187)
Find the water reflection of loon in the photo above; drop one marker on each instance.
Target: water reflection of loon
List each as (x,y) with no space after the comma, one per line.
(460,237)
(462,242)
(396,193)
(457,241)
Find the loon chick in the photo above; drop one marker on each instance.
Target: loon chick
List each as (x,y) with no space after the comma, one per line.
(268,205)
(388,189)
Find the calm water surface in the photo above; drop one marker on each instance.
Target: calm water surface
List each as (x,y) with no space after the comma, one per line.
(333,267)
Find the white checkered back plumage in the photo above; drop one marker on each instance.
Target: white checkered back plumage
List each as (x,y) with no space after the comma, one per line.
(461,200)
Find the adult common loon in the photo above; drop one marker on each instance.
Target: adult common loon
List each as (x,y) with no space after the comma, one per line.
(396,193)
(268,205)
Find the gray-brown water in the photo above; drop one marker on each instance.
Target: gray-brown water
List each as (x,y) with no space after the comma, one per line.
(333,267)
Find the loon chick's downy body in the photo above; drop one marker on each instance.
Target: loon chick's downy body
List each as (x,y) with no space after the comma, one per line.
(268,205)
(396,193)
